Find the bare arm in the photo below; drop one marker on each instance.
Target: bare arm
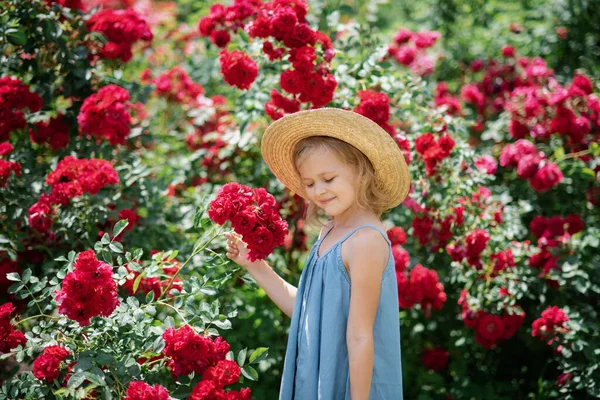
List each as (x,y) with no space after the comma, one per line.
(368,257)
(282,293)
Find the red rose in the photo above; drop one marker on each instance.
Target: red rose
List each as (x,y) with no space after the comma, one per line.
(204,390)
(138,390)
(225,372)
(563,379)
(244,221)
(435,359)
(88,290)
(260,241)
(187,350)
(401,258)
(396,235)
(405,55)
(471,94)
(487,164)
(402,36)
(546,177)
(517,130)
(508,51)
(583,82)
(220,38)
(292,81)
(47,365)
(574,223)
(490,328)
(283,21)
(528,165)
(476,242)
(238,68)
(105,114)
(512,322)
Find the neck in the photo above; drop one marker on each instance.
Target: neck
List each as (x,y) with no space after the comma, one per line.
(354,216)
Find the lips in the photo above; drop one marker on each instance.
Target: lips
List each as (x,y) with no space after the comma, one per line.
(327,201)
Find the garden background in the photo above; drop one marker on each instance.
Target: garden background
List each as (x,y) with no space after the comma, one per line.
(140,111)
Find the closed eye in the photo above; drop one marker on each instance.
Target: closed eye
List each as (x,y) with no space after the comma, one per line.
(325,180)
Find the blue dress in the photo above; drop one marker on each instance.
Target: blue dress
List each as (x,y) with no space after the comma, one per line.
(316,360)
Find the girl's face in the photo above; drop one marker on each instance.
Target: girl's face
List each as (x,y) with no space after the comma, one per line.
(328,182)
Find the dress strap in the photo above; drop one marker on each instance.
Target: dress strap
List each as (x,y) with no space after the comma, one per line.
(367,226)
(326,233)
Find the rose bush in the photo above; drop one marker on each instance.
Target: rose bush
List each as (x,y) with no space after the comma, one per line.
(126,128)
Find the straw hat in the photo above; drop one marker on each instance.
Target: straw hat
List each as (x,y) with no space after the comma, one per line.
(281,137)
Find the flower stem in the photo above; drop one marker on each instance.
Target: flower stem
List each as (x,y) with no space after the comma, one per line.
(574,155)
(36,316)
(199,250)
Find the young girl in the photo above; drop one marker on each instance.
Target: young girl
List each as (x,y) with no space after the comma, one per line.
(344,340)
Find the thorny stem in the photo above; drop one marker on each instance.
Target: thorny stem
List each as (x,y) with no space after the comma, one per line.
(122,391)
(573,155)
(174,308)
(36,316)
(152,362)
(199,250)
(34,300)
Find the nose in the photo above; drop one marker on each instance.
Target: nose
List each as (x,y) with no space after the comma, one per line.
(320,190)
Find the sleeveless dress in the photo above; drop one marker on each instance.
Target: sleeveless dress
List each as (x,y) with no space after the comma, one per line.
(316,360)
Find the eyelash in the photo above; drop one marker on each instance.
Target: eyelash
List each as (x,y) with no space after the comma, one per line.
(326,180)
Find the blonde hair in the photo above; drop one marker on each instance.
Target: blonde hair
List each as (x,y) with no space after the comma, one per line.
(369,195)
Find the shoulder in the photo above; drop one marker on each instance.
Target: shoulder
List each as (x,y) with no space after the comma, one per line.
(367,248)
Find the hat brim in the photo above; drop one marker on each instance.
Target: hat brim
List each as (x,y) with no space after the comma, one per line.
(281,137)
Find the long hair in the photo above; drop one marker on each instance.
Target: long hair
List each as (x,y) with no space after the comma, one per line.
(369,195)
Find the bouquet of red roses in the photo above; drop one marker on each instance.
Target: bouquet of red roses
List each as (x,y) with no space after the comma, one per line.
(253,215)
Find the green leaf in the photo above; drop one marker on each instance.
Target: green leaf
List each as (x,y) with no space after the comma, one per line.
(136,283)
(16,37)
(76,379)
(16,287)
(104,358)
(105,239)
(588,173)
(244,126)
(133,302)
(243,35)
(13,276)
(116,247)
(150,296)
(208,290)
(26,275)
(159,344)
(119,227)
(248,372)
(173,254)
(241,358)
(223,324)
(259,354)
(107,257)
(95,375)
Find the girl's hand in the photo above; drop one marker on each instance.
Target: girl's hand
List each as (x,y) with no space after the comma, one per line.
(237,250)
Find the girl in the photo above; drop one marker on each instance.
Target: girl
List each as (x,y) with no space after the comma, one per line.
(344,340)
